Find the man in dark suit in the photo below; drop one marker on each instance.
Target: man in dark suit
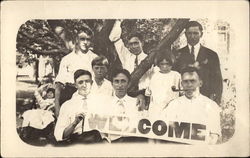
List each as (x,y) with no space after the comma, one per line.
(206,60)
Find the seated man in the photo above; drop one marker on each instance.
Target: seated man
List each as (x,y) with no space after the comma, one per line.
(122,104)
(101,85)
(71,117)
(195,107)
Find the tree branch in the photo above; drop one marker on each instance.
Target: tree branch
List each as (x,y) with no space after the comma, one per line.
(164,44)
(45,52)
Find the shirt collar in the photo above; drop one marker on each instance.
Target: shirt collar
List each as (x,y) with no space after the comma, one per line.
(79,53)
(196,94)
(196,47)
(76,95)
(116,99)
(141,56)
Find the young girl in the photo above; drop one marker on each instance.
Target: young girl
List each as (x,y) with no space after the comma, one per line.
(45,98)
(161,83)
(39,123)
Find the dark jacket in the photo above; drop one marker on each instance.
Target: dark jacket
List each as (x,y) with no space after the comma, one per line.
(210,72)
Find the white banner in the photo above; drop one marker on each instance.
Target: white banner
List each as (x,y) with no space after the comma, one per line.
(184,132)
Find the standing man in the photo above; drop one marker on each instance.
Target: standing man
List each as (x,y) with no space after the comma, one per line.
(132,56)
(71,118)
(194,107)
(80,58)
(206,60)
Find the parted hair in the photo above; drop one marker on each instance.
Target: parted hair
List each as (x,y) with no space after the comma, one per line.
(190,69)
(81,72)
(100,61)
(164,54)
(194,24)
(121,71)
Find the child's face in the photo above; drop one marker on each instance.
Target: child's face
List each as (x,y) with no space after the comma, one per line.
(50,95)
(100,71)
(165,66)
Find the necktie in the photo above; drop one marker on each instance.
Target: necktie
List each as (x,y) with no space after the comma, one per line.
(84,107)
(192,54)
(121,107)
(136,61)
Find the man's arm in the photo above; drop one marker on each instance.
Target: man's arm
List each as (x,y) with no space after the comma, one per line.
(70,129)
(214,123)
(216,78)
(115,36)
(59,81)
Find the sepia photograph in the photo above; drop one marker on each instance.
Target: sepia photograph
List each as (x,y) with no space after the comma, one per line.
(104,82)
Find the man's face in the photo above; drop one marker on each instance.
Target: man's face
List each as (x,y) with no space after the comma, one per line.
(120,85)
(84,42)
(193,35)
(135,45)
(100,71)
(165,66)
(190,83)
(83,84)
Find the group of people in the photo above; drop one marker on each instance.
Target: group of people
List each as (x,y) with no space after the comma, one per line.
(188,89)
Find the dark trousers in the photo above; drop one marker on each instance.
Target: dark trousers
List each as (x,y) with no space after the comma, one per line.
(31,135)
(131,140)
(88,137)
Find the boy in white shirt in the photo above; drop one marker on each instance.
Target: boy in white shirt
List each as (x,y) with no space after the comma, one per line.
(101,86)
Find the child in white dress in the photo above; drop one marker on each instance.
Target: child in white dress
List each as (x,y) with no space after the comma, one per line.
(161,84)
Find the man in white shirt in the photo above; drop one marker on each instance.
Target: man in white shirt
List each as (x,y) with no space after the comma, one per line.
(194,107)
(124,105)
(70,121)
(101,86)
(132,56)
(80,58)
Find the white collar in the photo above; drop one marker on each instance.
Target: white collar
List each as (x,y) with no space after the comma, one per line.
(123,99)
(196,47)
(79,53)
(142,55)
(76,95)
(94,82)
(196,95)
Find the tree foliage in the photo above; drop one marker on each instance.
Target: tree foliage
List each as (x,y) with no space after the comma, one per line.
(39,37)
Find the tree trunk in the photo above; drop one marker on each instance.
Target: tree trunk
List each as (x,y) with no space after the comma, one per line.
(36,70)
(103,46)
(164,44)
